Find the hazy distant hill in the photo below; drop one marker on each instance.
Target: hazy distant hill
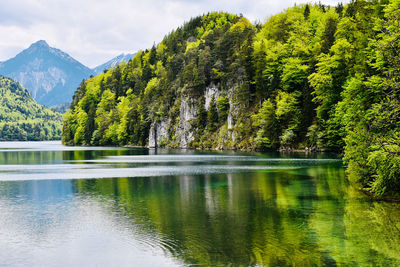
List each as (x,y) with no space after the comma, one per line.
(113,62)
(21,118)
(50,75)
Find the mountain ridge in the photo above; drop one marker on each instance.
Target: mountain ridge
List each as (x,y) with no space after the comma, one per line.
(49,74)
(113,62)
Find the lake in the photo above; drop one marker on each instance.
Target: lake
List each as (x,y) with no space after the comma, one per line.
(108,206)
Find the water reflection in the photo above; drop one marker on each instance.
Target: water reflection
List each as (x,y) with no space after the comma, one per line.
(304,216)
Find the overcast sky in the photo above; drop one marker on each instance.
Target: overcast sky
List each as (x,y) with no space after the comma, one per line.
(94,31)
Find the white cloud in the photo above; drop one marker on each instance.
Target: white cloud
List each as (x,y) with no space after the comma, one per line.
(93,31)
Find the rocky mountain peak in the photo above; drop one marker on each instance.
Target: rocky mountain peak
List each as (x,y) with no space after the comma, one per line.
(49,74)
(40,43)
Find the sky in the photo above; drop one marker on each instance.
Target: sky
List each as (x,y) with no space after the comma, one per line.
(94,31)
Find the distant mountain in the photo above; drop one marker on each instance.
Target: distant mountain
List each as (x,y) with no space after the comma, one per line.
(22,118)
(62,108)
(113,62)
(50,75)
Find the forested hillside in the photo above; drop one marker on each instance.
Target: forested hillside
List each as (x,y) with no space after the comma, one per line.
(21,118)
(313,76)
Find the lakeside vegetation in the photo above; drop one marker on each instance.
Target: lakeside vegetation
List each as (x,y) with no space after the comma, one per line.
(312,76)
(22,119)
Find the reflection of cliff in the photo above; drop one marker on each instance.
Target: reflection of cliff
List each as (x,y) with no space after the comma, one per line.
(304,216)
(263,218)
(351,228)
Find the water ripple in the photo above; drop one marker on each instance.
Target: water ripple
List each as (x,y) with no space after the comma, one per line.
(71,171)
(203,158)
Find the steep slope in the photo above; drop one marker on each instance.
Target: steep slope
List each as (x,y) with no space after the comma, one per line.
(50,75)
(21,118)
(313,76)
(207,60)
(113,62)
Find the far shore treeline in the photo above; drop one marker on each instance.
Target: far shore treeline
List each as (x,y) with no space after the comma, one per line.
(313,76)
(22,118)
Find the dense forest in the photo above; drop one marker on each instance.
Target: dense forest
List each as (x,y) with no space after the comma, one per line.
(22,119)
(313,76)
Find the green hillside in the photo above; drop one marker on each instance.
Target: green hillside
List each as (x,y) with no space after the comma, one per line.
(21,118)
(313,76)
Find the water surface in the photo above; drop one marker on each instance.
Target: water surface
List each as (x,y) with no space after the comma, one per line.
(69,206)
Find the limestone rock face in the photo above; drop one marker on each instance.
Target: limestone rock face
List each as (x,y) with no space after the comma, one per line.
(183,130)
(158,131)
(210,93)
(188,112)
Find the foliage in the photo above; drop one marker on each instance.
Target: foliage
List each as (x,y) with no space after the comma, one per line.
(223,108)
(313,75)
(62,108)
(371,109)
(22,119)
(266,121)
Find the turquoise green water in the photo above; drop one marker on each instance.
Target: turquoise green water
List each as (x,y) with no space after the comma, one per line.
(63,206)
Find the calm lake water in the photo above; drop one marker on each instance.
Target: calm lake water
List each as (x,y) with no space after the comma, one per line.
(74,206)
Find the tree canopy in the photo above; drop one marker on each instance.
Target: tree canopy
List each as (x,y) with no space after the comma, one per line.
(312,76)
